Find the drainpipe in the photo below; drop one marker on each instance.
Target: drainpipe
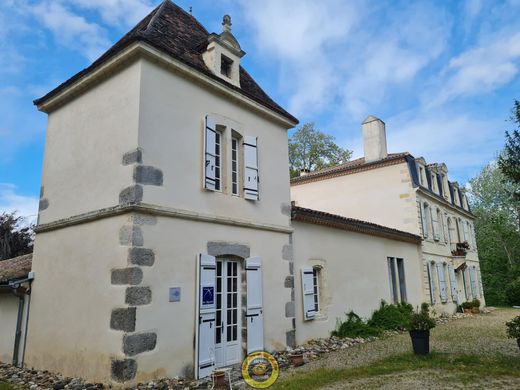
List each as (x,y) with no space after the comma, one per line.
(21,304)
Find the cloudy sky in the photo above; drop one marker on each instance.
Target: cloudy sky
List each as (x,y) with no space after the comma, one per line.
(442,74)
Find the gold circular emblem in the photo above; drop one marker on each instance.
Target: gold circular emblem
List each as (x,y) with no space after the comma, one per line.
(260,370)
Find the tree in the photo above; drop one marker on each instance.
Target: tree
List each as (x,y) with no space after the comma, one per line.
(312,149)
(496,226)
(509,160)
(16,239)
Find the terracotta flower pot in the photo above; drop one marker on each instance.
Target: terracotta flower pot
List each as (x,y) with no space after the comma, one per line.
(297,359)
(219,378)
(467,311)
(475,310)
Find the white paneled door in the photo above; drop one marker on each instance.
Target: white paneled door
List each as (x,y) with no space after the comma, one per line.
(228,312)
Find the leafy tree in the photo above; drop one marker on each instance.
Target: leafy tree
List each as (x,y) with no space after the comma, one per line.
(496,225)
(509,160)
(16,239)
(312,149)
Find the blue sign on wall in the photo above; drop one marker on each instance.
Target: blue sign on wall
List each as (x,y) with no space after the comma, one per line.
(208,295)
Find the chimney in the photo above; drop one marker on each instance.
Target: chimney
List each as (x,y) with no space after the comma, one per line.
(304,172)
(374,139)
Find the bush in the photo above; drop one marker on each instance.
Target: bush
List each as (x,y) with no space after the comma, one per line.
(513,328)
(353,327)
(475,303)
(513,293)
(421,320)
(391,317)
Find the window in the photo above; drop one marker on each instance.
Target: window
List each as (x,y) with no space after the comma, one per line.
(311,291)
(434,183)
(235,166)
(315,282)
(431,282)
(441,277)
(218,160)
(225,65)
(435,223)
(421,170)
(397,279)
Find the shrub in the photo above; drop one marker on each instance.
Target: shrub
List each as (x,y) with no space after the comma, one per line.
(421,320)
(513,293)
(353,327)
(513,328)
(475,303)
(467,305)
(391,317)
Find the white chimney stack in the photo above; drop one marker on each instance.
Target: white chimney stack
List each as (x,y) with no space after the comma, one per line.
(374,139)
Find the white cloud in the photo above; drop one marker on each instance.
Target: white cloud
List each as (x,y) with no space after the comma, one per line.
(481,69)
(72,30)
(26,206)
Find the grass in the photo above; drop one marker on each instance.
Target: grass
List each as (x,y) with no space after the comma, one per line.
(7,386)
(465,368)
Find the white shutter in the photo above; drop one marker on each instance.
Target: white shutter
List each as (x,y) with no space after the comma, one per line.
(205,335)
(465,230)
(424,222)
(209,153)
(473,282)
(433,291)
(435,224)
(309,311)
(442,282)
(254,309)
(445,225)
(453,283)
(250,168)
(480,283)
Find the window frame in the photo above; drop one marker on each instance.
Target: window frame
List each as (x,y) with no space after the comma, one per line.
(316,286)
(219,177)
(235,166)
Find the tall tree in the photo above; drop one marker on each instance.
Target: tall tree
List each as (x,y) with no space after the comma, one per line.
(16,239)
(496,226)
(509,160)
(311,149)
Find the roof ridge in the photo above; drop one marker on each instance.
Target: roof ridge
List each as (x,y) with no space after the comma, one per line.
(157,11)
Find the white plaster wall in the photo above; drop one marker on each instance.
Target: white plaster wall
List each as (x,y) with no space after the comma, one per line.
(85,142)
(171,134)
(177,243)
(355,274)
(8,317)
(384,196)
(69,324)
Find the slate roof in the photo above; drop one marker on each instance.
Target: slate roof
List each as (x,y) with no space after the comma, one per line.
(349,166)
(173,31)
(350,224)
(15,268)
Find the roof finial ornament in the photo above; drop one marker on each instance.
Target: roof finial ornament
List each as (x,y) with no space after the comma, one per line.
(226,22)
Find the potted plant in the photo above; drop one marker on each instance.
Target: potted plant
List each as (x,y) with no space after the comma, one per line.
(419,326)
(461,249)
(297,359)
(219,378)
(513,329)
(467,306)
(475,306)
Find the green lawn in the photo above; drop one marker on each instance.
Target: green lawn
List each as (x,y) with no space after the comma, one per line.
(471,352)
(463,367)
(7,386)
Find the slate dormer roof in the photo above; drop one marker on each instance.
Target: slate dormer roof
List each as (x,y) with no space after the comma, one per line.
(173,31)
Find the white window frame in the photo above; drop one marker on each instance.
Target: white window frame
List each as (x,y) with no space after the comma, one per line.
(235,161)
(397,279)
(219,177)
(316,285)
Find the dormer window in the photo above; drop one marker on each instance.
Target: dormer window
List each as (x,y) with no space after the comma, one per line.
(226,65)
(223,53)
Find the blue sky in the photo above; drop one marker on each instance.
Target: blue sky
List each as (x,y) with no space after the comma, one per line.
(442,74)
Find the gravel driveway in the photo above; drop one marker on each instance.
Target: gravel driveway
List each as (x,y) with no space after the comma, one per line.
(481,334)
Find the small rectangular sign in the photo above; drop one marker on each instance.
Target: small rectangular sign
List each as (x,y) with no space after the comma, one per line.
(208,295)
(175,294)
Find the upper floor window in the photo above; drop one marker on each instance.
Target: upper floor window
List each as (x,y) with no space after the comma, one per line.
(456,198)
(434,183)
(226,65)
(421,173)
(230,162)
(425,217)
(235,170)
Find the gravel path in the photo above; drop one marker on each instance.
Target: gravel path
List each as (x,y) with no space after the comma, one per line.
(481,334)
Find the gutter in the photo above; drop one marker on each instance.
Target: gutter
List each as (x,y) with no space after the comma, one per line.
(14,286)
